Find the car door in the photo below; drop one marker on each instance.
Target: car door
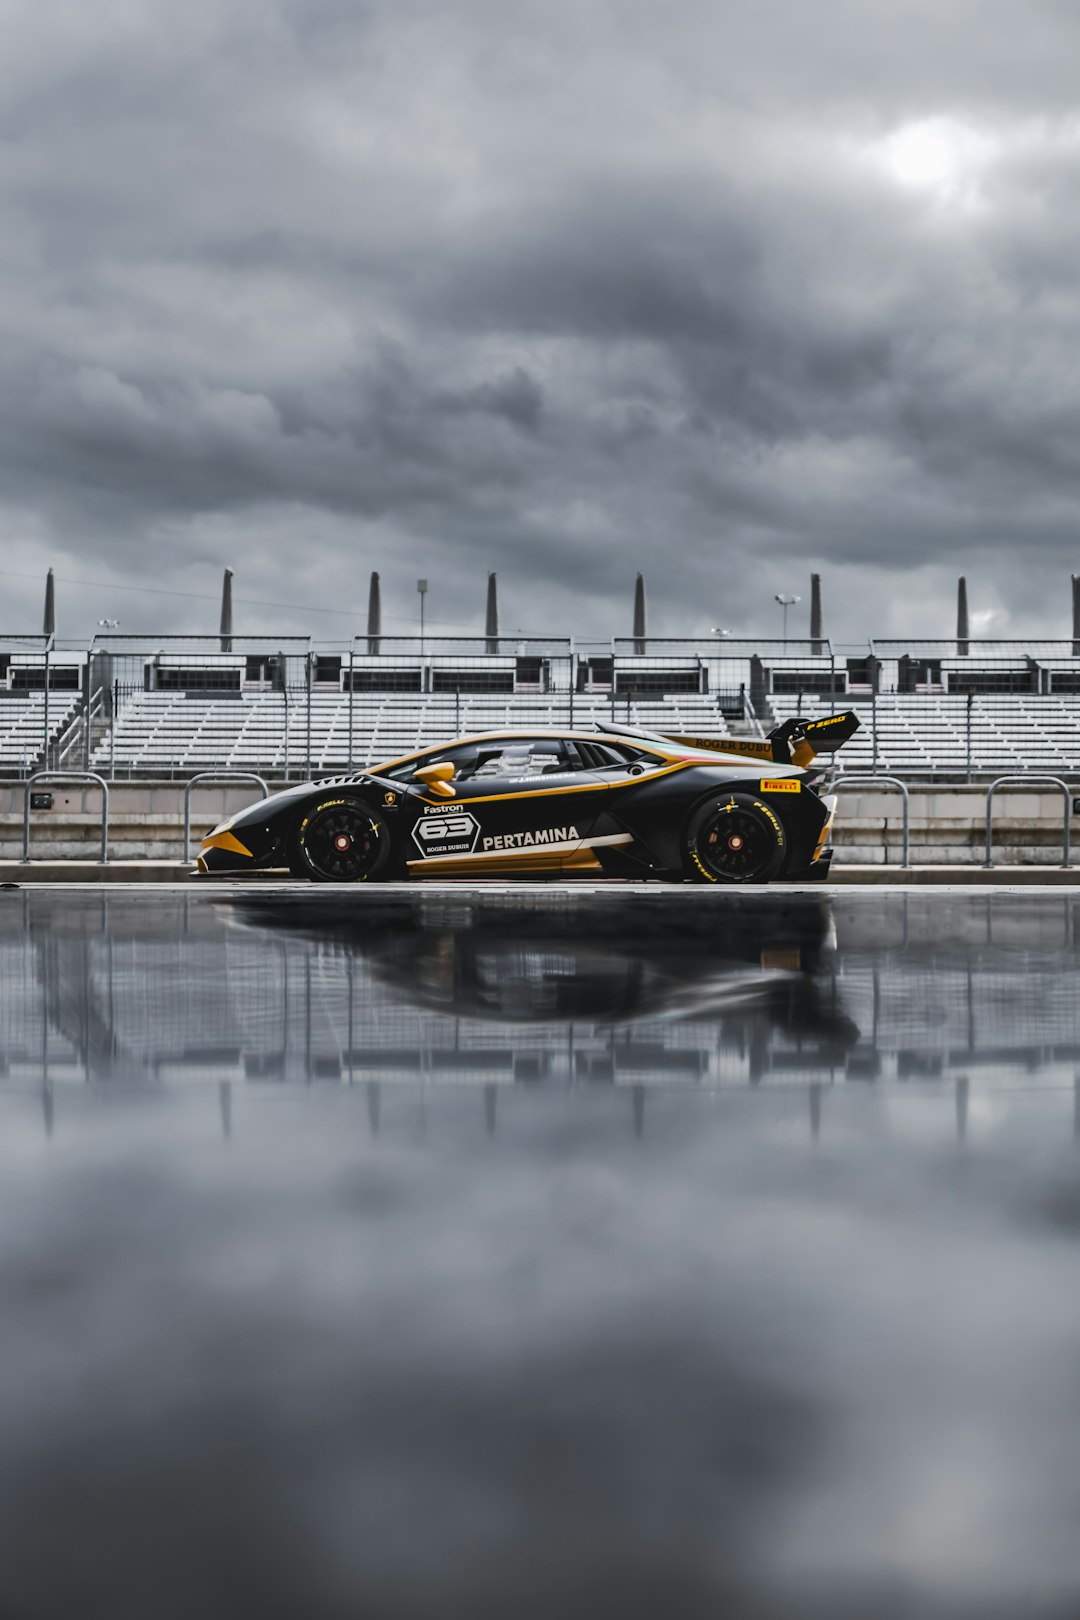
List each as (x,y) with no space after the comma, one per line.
(522,803)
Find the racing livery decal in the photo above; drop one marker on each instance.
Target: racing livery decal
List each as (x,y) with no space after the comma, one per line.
(544,835)
(454,834)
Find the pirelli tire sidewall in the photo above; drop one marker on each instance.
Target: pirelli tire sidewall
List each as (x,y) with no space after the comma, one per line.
(301,861)
(758,812)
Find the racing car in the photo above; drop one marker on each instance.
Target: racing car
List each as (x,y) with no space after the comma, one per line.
(611,801)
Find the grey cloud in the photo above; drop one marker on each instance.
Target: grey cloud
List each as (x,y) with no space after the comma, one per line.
(549,289)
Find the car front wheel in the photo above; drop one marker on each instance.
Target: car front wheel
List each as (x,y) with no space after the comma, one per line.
(340,841)
(735,838)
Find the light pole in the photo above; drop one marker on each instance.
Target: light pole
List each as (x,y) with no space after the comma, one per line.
(786,602)
(421,586)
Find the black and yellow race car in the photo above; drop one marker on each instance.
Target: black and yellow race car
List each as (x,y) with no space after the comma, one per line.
(611,801)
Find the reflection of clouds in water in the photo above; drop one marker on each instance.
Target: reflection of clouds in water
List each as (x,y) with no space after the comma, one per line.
(313,1366)
(404,1349)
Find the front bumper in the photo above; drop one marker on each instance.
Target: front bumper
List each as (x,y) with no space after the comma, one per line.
(222,851)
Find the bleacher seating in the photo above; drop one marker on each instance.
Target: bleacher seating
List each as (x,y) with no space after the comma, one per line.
(171,734)
(926,734)
(22,726)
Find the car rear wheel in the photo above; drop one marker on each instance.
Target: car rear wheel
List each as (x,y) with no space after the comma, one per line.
(341,841)
(735,838)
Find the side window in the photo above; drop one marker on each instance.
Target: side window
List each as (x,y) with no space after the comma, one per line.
(463,759)
(605,754)
(400,773)
(616,756)
(522,758)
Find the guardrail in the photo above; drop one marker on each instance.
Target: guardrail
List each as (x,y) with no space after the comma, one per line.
(885,781)
(1028,781)
(67,776)
(214,776)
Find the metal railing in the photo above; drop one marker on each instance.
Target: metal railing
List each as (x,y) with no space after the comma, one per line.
(845,780)
(1028,781)
(76,740)
(67,776)
(219,777)
(901,788)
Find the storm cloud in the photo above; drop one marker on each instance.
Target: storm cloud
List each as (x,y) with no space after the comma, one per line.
(724,292)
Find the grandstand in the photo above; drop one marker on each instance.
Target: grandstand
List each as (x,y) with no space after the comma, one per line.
(157,734)
(949,738)
(39,699)
(290,709)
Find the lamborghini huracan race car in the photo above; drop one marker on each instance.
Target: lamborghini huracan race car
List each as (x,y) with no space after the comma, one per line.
(612,801)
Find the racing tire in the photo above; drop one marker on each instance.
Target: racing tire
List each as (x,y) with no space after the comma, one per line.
(340,840)
(735,838)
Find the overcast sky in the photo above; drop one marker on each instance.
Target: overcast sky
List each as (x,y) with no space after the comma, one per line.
(721,290)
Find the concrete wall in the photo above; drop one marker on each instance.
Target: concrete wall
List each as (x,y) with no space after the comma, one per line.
(146,820)
(947,824)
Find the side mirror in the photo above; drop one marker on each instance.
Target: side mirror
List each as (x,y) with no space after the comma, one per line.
(437,778)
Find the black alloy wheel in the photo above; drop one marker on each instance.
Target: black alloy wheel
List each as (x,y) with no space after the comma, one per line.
(341,841)
(735,839)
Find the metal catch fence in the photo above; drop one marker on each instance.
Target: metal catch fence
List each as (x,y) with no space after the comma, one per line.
(128,707)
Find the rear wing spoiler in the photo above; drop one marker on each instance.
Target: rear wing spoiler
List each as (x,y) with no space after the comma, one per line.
(805,739)
(794,742)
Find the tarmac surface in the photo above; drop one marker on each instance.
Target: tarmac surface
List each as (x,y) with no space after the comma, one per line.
(539,1249)
(841,876)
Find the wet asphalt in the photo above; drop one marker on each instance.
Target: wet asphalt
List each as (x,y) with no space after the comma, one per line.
(539,1251)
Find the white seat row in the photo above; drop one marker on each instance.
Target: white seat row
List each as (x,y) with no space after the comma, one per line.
(23,726)
(166,733)
(160,733)
(935,733)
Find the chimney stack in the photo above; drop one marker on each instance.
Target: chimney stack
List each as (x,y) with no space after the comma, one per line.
(491,627)
(226,612)
(374,614)
(816,633)
(961,617)
(639,615)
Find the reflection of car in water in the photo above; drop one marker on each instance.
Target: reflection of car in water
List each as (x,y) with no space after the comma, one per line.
(513,962)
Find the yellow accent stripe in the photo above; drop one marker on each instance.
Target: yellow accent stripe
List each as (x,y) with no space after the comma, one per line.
(586,787)
(226,840)
(582,860)
(498,860)
(543,853)
(648,744)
